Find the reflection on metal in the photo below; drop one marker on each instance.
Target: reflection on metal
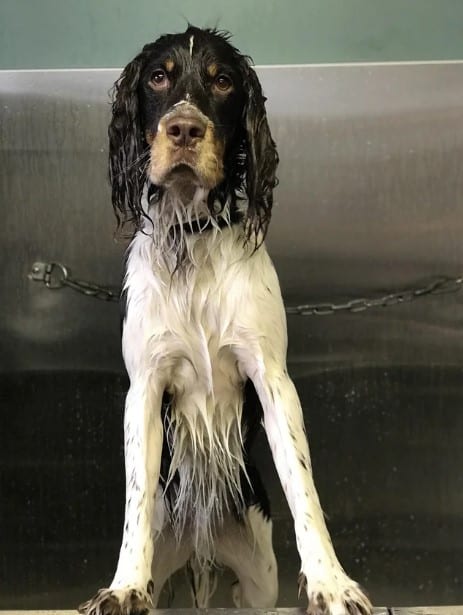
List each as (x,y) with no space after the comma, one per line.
(56,275)
(300,611)
(431,610)
(370,198)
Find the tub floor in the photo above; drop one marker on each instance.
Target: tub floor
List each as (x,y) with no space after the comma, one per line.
(387,456)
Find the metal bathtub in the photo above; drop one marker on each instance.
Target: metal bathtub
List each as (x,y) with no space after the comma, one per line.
(369,203)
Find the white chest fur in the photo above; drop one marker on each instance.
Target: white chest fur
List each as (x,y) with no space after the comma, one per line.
(193,313)
(185,331)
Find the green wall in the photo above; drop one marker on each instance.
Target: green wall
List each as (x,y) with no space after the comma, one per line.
(107,33)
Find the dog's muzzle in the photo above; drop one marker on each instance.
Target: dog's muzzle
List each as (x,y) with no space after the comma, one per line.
(185,141)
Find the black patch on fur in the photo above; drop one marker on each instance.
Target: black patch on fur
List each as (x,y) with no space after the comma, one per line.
(321,602)
(253,490)
(254,493)
(197,227)
(123,297)
(123,308)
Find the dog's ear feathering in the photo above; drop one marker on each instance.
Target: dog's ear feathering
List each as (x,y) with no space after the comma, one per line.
(261,156)
(128,156)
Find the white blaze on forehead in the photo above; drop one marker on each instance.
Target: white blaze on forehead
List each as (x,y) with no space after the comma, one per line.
(192,38)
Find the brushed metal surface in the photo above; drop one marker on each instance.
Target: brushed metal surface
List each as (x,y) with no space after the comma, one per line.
(431,610)
(428,610)
(301,611)
(369,200)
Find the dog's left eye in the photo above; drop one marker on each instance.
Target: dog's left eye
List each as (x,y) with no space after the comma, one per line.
(159,79)
(223,83)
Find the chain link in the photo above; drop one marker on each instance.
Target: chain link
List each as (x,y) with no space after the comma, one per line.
(55,276)
(441,285)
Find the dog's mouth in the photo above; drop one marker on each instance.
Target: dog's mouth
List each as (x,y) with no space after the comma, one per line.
(184,156)
(183,171)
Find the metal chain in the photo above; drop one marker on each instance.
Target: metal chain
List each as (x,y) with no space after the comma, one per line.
(440,285)
(55,276)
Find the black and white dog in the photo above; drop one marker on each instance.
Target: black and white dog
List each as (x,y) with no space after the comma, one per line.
(192,167)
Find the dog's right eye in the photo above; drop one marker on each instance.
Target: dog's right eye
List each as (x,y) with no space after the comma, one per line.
(159,79)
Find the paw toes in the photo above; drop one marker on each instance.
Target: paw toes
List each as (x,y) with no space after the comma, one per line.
(356,602)
(358,608)
(351,601)
(318,604)
(137,604)
(131,601)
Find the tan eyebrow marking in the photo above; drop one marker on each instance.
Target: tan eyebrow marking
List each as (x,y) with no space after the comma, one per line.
(212,70)
(169,64)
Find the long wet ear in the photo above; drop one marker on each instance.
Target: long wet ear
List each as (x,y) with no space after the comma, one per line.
(128,155)
(261,156)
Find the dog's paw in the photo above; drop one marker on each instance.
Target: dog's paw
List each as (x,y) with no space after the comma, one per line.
(341,598)
(126,601)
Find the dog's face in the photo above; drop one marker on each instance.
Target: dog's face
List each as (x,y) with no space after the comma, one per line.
(189,111)
(192,102)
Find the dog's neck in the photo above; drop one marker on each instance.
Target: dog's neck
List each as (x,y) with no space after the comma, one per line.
(180,219)
(175,205)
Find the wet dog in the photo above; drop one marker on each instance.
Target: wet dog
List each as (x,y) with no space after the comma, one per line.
(192,168)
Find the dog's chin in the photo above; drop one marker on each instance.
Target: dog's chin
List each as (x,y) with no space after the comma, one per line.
(181,179)
(181,174)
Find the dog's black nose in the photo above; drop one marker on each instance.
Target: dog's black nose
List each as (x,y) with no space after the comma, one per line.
(185,131)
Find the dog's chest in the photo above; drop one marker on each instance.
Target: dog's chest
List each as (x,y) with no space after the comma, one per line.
(188,323)
(200,329)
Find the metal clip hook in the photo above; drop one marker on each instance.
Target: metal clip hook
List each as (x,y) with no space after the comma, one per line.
(53,275)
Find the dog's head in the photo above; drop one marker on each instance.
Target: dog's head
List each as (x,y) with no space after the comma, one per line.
(189,111)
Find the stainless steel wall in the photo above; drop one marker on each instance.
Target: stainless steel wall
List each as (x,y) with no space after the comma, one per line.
(369,201)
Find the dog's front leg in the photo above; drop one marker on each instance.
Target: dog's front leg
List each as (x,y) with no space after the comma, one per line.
(131,587)
(328,587)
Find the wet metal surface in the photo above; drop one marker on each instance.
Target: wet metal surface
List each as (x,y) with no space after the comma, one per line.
(369,200)
(431,610)
(214,612)
(387,456)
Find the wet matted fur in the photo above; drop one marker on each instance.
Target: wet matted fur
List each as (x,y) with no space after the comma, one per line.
(192,169)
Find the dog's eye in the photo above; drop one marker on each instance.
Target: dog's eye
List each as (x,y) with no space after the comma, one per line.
(223,83)
(159,79)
